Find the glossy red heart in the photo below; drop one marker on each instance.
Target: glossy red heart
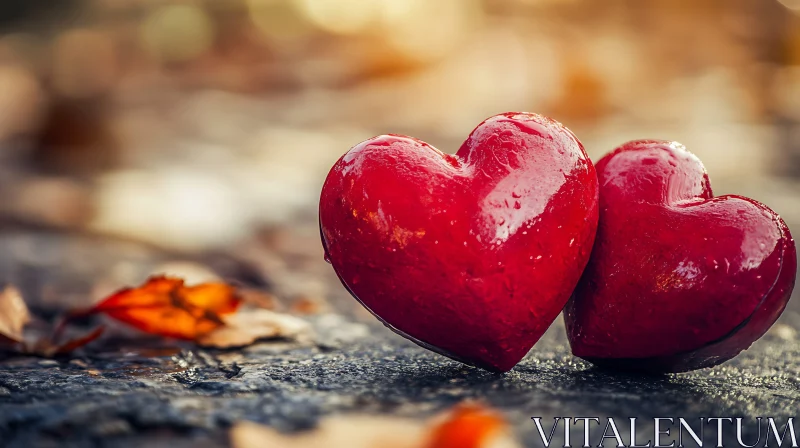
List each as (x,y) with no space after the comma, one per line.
(471,255)
(678,279)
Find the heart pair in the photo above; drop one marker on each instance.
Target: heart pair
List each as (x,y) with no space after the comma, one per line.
(474,255)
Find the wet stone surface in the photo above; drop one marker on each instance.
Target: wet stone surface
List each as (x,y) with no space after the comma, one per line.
(191,397)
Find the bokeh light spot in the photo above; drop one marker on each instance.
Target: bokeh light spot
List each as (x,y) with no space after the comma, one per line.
(342,16)
(175,33)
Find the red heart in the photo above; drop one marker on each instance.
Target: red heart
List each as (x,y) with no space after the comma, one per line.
(472,255)
(678,279)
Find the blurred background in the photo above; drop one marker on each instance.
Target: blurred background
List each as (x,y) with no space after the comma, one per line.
(144,135)
(192,137)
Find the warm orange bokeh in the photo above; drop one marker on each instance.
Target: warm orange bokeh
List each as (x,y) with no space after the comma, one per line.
(166,307)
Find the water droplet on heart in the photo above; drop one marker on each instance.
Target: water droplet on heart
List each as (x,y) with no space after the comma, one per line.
(326,255)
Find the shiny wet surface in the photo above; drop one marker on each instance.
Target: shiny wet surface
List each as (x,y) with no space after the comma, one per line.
(474,253)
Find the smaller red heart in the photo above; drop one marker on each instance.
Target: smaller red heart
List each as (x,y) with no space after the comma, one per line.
(472,255)
(678,279)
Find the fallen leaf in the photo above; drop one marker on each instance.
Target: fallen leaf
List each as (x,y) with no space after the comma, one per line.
(48,347)
(14,315)
(471,426)
(75,343)
(245,328)
(467,426)
(167,307)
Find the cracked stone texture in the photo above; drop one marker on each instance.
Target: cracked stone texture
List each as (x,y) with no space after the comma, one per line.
(135,391)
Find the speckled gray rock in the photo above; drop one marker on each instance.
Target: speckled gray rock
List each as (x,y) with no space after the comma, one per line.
(192,397)
(134,391)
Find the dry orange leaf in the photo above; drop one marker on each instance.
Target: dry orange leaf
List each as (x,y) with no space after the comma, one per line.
(73,344)
(49,348)
(242,329)
(167,307)
(467,426)
(471,426)
(14,316)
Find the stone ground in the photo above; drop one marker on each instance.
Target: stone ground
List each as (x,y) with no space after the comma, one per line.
(138,391)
